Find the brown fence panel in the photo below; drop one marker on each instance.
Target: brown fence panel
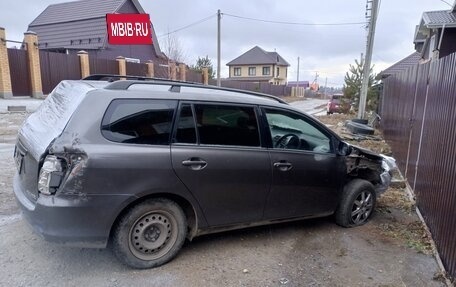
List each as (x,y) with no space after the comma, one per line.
(20,75)
(396,119)
(103,66)
(136,69)
(419,121)
(194,76)
(260,87)
(161,71)
(56,67)
(278,90)
(435,184)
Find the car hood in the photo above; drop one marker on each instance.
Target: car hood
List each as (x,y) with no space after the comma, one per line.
(365,152)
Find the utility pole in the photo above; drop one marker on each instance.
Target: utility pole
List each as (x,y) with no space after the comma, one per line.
(219,17)
(326,85)
(367,62)
(297,80)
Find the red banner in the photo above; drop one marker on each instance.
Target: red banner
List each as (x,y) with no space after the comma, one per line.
(129,29)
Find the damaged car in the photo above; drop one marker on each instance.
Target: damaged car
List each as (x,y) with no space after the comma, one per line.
(146,164)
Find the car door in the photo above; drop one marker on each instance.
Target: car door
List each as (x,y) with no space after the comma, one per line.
(217,154)
(306,170)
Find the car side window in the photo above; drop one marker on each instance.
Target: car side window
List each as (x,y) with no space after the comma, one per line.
(139,121)
(186,130)
(293,131)
(227,125)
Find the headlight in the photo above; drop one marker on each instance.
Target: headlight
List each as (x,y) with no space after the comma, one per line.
(50,175)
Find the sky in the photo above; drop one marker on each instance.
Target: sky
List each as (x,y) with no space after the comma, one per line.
(326,50)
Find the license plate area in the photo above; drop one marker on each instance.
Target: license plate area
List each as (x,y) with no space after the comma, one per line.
(18,158)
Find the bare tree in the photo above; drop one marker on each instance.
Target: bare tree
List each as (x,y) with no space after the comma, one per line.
(173,48)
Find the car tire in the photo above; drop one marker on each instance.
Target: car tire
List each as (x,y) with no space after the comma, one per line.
(360,121)
(358,128)
(357,203)
(150,234)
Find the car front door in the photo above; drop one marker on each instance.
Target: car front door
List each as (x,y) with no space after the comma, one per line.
(306,170)
(217,154)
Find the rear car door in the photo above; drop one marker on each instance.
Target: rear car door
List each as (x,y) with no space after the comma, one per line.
(306,170)
(217,154)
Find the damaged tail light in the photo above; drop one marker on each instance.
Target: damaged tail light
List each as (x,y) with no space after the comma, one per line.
(50,176)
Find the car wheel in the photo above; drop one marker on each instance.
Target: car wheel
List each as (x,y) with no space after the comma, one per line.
(150,234)
(357,203)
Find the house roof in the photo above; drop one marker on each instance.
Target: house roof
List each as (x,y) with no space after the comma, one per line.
(436,19)
(432,20)
(258,56)
(81,24)
(75,11)
(400,66)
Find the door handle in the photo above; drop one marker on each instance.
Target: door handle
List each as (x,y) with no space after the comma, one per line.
(195,163)
(283,165)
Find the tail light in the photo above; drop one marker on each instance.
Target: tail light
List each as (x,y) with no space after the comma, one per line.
(51,175)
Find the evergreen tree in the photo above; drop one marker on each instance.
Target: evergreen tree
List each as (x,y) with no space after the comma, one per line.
(353,82)
(204,62)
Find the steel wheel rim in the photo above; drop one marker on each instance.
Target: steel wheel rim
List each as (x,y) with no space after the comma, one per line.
(362,207)
(153,235)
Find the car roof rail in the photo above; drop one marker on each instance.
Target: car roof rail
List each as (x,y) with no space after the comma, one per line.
(175,85)
(113,78)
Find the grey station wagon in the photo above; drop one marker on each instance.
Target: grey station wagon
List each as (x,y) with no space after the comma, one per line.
(145,164)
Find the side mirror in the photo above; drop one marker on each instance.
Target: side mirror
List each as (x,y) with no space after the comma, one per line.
(344,148)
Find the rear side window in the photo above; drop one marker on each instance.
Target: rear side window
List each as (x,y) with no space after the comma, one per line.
(139,121)
(186,131)
(227,125)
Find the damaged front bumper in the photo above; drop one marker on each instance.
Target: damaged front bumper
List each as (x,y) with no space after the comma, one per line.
(388,165)
(373,167)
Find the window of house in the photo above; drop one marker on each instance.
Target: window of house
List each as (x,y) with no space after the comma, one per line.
(227,125)
(252,71)
(278,70)
(266,71)
(139,121)
(237,71)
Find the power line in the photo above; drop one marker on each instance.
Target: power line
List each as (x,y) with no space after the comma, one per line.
(188,26)
(451,5)
(294,23)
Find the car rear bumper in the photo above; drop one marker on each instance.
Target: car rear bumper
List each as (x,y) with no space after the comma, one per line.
(76,220)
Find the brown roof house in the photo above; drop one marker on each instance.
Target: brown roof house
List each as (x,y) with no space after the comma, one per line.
(409,61)
(435,36)
(81,25)
(258,65)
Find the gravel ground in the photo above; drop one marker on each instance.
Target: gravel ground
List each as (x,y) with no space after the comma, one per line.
(385,252)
